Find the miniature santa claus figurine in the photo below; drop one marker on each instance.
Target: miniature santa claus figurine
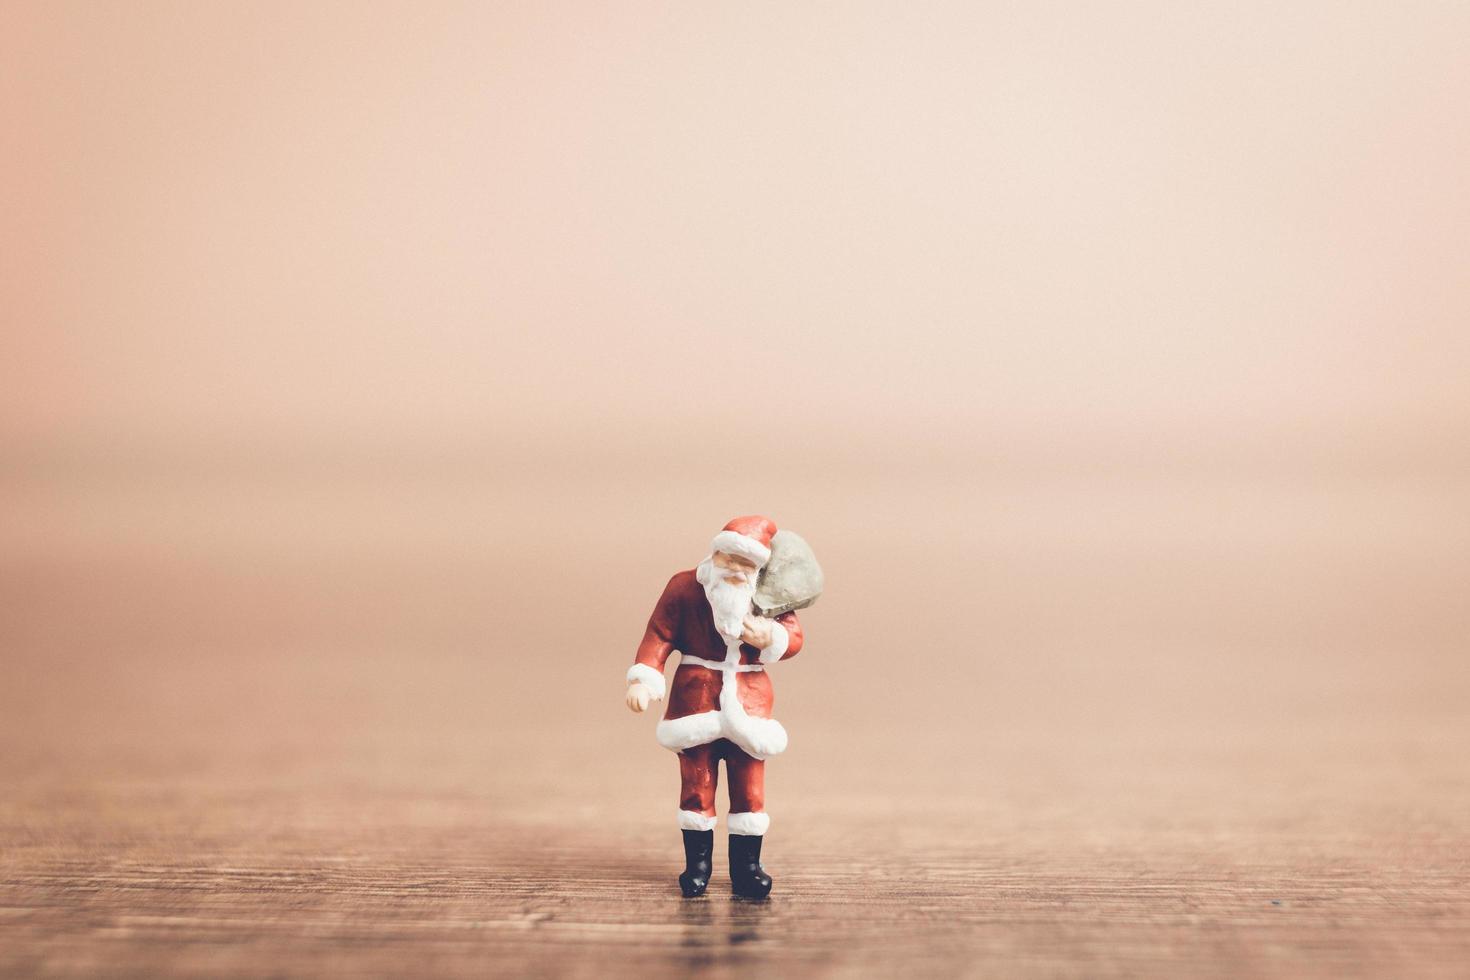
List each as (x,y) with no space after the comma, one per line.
(720,701)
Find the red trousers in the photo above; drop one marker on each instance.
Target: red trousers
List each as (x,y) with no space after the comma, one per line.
(699,775)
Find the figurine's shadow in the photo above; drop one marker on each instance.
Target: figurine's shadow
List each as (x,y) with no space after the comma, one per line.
(746,918)
(658,878)
(717,925)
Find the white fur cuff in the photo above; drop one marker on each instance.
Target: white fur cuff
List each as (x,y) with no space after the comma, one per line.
(689,820)
(749,824)
(780,639)
(649,677)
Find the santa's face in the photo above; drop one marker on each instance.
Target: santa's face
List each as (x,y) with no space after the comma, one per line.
(736,569)
(729,584)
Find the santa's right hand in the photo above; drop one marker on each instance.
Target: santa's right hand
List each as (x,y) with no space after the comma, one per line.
(638,697)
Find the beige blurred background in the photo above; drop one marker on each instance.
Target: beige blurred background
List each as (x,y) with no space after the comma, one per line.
(367,368)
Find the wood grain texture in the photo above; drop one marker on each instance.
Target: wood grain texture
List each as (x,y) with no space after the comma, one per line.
(268,829)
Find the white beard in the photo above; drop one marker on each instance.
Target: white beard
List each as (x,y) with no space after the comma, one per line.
(730,604)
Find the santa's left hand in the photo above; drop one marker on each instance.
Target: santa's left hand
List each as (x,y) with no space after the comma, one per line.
(757,632)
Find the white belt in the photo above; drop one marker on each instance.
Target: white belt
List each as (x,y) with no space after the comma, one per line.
(720,664)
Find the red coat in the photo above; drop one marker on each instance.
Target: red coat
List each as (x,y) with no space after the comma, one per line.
(702,707)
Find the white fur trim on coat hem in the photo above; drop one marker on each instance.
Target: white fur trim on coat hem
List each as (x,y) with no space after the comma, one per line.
(749,824)
(689,820)
(677,734)
(759,738)
(649,677)
(780,640)
(734,543)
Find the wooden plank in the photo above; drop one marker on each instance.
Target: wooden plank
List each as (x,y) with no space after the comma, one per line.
(227,817)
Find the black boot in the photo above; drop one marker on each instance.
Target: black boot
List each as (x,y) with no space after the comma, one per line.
(698,846)
(747,877)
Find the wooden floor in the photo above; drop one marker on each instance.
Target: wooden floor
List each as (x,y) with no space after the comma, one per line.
(211,823)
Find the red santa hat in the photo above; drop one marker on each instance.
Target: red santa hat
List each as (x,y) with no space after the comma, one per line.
(748,537)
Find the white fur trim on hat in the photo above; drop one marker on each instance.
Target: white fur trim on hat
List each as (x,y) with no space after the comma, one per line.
(649,678)
(749,824)
(780,640)
(689,820)
(735,543)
